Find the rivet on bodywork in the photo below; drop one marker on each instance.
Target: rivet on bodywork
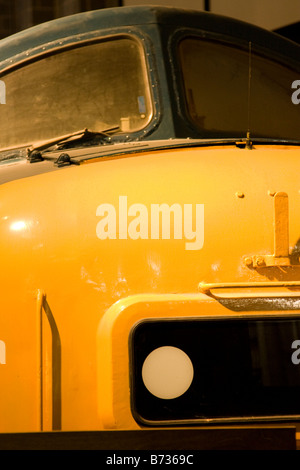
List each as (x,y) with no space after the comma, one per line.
(260,261)
(248,261)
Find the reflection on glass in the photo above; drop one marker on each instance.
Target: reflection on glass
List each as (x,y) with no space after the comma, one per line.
(97,86)
(216,85)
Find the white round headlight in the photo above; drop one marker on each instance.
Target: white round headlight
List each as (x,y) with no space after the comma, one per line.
(167,372)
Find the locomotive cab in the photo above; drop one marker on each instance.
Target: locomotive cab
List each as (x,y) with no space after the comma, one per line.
(149,202)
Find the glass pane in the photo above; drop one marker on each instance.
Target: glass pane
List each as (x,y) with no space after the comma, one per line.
(216,83)
(97,86)
(242,368)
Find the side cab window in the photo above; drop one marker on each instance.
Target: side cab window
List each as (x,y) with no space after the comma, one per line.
(230,90)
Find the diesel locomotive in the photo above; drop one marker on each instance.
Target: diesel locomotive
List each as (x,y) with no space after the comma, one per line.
(149,224)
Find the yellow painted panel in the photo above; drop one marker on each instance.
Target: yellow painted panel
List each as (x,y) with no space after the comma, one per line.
(20,405)
(113,344)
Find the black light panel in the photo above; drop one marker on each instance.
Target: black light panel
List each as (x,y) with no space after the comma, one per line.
(215,369)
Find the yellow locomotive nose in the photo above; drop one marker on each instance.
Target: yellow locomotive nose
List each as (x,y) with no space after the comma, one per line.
(150,268)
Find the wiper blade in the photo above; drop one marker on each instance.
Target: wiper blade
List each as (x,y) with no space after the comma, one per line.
(34,151)
(12,154)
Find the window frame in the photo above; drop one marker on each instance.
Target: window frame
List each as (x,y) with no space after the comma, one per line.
(224,40)
(94,37)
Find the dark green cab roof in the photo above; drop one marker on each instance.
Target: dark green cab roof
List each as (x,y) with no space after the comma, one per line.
(75,28)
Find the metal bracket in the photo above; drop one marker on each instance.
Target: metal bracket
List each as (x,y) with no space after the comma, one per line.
(281,256)
(293,287)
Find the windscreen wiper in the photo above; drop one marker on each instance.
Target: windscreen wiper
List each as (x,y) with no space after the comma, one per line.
(34,152)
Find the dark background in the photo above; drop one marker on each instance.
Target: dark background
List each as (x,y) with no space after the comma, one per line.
(16,15)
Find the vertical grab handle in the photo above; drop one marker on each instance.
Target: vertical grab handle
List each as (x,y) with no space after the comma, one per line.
(49,366)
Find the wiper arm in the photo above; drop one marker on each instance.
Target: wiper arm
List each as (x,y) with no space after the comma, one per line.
(34,151)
